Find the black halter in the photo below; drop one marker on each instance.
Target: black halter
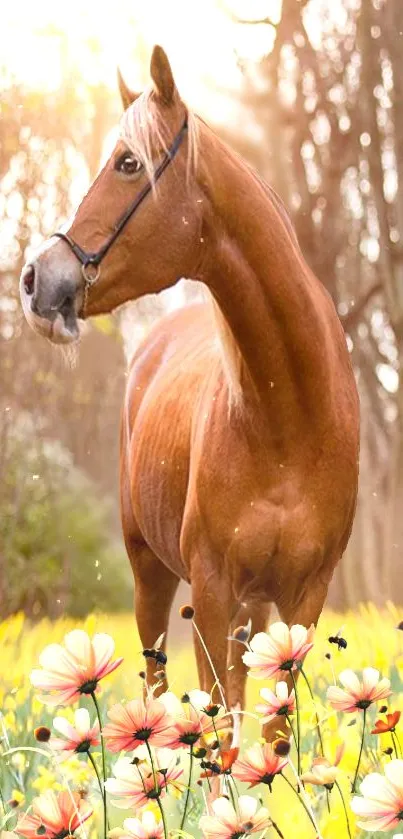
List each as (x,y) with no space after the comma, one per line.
(92,260)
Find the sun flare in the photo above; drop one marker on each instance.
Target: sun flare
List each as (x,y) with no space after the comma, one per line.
(53,41)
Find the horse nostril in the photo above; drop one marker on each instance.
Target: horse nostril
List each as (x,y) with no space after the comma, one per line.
(28,278)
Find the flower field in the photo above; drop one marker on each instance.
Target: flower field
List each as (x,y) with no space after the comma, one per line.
(30,767)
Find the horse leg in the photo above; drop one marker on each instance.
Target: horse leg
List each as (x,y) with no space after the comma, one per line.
(305,609)
(259,614)
(154,590)
(211,603)
(212,615)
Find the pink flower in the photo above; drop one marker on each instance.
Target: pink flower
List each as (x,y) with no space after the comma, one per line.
(136,723)
(135,784)
(358,695)
(74,669)
(189,722)
(78,738)
(227,824)
(259,766)
(277,650)
(146,828)
(54,816)
(381,807)
(276,704)
(324,772)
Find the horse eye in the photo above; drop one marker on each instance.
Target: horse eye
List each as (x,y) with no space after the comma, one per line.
(127,164)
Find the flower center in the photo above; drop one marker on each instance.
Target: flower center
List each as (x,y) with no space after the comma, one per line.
(88,687)
(267,779)
(63,834)
(83,747)
(288,665)
(190,738)
(282,712)
(142,734)
(400,815)
(363,704)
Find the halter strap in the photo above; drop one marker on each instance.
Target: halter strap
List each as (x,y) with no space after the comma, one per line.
(90,260)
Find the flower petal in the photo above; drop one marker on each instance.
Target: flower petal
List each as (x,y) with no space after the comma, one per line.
(350,681)
(281,691)
(82,721)
(224,811)
(247,807)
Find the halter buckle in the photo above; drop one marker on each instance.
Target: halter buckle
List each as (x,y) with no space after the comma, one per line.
(91,272)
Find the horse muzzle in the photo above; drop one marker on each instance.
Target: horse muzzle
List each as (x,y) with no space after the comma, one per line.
(49,307)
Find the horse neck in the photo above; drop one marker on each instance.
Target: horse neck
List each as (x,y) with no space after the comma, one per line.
(277,311)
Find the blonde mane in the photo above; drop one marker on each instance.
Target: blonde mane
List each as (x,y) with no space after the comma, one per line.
(141,130)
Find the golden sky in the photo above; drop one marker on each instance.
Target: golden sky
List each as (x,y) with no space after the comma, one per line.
(40,41)
(43,40)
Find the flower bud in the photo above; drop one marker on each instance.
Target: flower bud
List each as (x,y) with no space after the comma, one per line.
(281,747)
(13,803)
(42,734)
(187,612)
(212,710)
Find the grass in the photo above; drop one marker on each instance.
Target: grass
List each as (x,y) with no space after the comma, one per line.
(372,640)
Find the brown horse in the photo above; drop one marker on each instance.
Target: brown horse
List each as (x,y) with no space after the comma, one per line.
(240,427)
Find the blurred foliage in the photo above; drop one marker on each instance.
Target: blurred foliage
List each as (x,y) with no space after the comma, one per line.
(59,556)
(60,550)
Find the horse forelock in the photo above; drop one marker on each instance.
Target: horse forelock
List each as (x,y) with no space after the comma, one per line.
(142,128)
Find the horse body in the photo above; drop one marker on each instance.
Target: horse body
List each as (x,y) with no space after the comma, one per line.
(240,429)
(218,495)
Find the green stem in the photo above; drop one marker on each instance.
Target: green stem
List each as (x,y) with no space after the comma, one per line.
(276,828)
(298,724)
(188,789)
(301,800)
(232,779)
(95,768)
(216,735)
(231,794)
(156,787)
(361,748)
(163,818)
(142,780)
(2,801)
(398,743)
(344,807)
(288,718)
(103,762)
(394,744)
(316,712)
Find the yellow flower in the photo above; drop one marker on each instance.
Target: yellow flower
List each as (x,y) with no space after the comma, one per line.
(46,780)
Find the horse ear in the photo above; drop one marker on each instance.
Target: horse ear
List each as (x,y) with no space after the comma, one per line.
(127,96)
(161,74)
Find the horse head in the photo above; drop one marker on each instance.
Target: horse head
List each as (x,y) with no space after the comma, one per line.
(138,229)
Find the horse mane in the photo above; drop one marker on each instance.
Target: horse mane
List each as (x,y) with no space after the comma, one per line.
(231,357)
(141,129)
